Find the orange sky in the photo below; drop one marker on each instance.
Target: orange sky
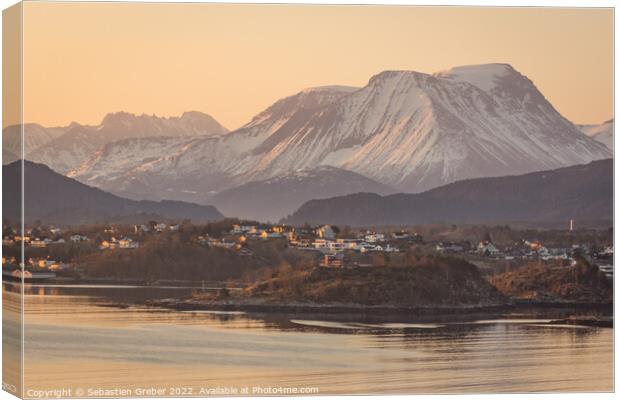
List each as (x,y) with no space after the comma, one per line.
(83,60)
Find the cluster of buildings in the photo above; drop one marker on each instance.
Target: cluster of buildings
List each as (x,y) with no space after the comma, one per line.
(37,264)
(324,239)
(155,227)
(237,237)
(534,249)
(336,248)
(42,238)
(47,264)
(525,249)
(122,243)
(255,232)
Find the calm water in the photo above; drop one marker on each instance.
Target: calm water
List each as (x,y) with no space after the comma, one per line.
(73,340)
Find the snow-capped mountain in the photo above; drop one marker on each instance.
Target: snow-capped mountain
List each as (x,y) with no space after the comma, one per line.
(78,143)
(194,170)
(35,136)
(123,125)
(416,131)
(603,133)
(411,131)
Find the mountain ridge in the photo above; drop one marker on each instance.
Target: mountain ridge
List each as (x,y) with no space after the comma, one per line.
(270,199)
(54,198)
(582,192)
(74,143)
(409,130)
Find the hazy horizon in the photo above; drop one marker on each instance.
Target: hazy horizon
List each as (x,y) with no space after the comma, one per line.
(84,60)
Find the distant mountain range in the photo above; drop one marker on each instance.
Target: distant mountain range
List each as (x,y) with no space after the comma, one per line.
(53,198)
(603,133)
(581,192)
(34,137)
(404,131)
(65,148)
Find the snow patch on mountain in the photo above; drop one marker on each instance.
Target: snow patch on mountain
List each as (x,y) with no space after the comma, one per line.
(603,133)
(484,76)
(78,142)
(30,136)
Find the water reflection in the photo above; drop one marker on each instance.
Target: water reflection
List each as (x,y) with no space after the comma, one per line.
(12,338)
(78,334)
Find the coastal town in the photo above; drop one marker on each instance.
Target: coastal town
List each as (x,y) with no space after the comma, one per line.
(51,251)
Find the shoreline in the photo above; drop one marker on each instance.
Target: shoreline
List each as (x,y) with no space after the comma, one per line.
(378,310)
(566,312)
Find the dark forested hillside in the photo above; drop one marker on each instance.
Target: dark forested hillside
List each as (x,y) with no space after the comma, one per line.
(581,192)
(53,198)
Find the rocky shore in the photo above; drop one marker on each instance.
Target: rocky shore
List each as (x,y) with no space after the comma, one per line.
(260,306)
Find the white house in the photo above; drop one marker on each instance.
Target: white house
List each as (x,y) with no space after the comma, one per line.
(364,247)
(374,237)
(487,248)
(78,238)
(390,249)
(160,227)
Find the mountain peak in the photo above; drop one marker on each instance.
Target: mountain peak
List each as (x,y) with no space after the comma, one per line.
(194,114)
(116,117)
(189,123)
(398,74)
(487,68)
(331,89)
(484,76)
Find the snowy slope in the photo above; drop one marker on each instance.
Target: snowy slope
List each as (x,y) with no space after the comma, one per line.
(417,131)
(123,125)
(603,133)
(34,137)
(196,169)
(120,162)
(67,151)
(405,129)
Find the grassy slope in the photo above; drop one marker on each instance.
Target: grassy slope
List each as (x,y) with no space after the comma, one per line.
(430,282)
(580,283)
